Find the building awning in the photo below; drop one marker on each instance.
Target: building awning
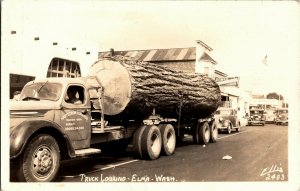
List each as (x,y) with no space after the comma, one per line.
(232,91)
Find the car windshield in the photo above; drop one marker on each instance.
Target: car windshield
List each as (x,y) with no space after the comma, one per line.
(41,91)
(256,112)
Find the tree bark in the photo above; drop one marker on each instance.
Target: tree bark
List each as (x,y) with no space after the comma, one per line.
(165,90)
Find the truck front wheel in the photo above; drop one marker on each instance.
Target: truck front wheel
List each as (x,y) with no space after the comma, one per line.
(151,142)
(40,160)
(168,139)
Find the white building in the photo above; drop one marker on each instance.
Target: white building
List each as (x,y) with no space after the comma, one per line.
(267,103)
(28,56)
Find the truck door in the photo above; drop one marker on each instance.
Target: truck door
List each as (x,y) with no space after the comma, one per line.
(75,116)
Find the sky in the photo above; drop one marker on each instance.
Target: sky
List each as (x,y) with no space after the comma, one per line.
(241,34)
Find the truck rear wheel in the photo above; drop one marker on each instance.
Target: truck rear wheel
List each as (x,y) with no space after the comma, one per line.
(40,160)
(202,133)
(213,132)
(151,143)
(168,139)
(137,139)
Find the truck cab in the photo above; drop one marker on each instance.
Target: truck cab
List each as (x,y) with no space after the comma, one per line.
(257,116)
(281,116)
(46,113)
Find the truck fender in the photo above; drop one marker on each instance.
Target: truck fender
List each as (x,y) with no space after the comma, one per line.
(21,134)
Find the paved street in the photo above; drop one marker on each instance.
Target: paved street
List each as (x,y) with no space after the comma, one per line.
(259,153)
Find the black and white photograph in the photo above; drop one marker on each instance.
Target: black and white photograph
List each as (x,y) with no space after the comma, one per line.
(142,95)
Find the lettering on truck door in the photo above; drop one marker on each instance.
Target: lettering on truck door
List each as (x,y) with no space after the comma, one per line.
(75,116)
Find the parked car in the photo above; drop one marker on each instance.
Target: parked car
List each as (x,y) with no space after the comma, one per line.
(227,120)
(281,116)
(270,115)
(257,116)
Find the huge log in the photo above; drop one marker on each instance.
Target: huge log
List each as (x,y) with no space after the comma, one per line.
(142,86)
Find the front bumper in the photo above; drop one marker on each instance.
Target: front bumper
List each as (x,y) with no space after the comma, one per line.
(281,121)
(256,122)
(222,128)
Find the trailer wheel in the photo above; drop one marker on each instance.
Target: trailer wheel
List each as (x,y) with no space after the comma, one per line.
(137,139)
(168,139)
(151,143)
(202,133)
(40,160)
(213,132)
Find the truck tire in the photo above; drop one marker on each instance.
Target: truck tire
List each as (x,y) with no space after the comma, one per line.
(40,160)
(168,139)
(213,132)
(137,139)
(202,133)
(151,143)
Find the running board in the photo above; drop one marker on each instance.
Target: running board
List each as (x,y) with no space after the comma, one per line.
(88,151)
(106,129)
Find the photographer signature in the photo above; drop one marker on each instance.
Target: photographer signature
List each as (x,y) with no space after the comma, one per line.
(275,172)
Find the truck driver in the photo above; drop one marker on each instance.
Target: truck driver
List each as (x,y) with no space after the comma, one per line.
(71,96)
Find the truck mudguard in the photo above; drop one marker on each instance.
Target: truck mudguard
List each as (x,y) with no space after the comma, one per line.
(20,135)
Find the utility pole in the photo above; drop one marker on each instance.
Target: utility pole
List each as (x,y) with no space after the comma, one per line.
(280,105)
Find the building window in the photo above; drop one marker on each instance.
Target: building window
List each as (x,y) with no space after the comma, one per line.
(63,68)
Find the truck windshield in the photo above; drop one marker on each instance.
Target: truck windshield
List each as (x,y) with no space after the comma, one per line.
(41,91)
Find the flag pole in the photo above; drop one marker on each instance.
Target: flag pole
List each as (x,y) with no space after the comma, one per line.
(265,64)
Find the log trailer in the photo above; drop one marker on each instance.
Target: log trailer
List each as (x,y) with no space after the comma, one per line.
(140,104)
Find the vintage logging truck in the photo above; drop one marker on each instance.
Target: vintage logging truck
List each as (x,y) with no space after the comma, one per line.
(119,101)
